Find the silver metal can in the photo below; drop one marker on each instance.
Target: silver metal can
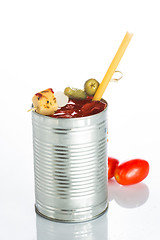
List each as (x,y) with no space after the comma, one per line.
(70,166)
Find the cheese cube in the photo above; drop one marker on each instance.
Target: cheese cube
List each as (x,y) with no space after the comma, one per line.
(45,102)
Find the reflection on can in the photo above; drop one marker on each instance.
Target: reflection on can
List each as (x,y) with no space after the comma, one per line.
(91,230)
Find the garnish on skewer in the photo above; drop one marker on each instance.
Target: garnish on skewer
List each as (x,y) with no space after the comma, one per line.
(44,102)
(91,86)
(61,98)
(75,93)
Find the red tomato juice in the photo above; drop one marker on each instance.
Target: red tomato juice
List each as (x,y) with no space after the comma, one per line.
(79,108)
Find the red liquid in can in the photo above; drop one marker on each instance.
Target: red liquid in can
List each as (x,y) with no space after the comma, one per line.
(79,108)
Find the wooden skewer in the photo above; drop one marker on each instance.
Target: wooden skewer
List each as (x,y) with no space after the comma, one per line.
(117,79)
(32,109)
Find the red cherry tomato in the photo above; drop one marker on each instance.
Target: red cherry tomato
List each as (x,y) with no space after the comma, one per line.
(131,172)
(112,164)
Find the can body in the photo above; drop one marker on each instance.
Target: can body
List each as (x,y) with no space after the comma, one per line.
(70,166)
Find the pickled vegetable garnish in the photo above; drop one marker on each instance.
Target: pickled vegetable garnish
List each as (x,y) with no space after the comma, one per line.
(91,86)
(75,93)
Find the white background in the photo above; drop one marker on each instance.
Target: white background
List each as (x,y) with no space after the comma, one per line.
(63,43)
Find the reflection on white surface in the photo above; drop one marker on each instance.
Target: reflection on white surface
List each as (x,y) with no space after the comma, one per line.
(92,230)
(128,196)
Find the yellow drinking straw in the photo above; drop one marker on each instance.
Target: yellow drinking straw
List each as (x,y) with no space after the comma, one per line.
(112,67)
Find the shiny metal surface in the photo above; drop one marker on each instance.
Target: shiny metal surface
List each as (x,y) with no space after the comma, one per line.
(91,230)
(70,157)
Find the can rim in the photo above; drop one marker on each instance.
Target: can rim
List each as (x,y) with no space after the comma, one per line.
(78,118)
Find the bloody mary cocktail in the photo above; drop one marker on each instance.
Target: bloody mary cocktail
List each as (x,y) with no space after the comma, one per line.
(79,108)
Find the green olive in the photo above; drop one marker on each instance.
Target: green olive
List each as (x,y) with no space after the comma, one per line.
(91,86)
(75,93)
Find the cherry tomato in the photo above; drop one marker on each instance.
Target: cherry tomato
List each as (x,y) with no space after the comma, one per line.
(112,164)
(131,172)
